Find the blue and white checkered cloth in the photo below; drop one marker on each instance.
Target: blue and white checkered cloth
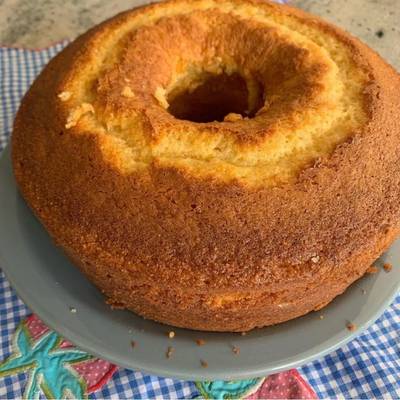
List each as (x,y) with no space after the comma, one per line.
(368,367)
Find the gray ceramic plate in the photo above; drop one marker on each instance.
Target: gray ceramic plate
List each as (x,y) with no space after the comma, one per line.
(50,285)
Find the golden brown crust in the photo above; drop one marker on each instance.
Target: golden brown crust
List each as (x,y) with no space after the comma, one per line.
(201,251)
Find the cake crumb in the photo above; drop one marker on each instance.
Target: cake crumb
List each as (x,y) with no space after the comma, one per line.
(77,113)
(72,310)
(387,267)
(235,350)
(233,117)
(372,269)
(169,352)
(64,96)
(200,342)
(160,96)
(315,259)
(351,327)
(321,316)
(171,334)
(127,92)
(243,333)
(204,364)
(363,291)
(133,344)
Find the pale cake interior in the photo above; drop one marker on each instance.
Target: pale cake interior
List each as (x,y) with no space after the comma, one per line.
(132,140)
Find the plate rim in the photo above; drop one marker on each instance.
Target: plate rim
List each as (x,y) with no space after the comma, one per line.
(206,376)
(203,374)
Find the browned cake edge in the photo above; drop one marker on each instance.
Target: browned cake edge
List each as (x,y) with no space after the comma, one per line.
(235,260)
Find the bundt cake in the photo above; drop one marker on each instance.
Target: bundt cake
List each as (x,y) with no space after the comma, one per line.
(214,164)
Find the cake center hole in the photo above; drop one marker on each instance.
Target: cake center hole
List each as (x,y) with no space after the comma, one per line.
(215,96)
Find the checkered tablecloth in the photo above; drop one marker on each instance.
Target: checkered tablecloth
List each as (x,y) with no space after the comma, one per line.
(368,367)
